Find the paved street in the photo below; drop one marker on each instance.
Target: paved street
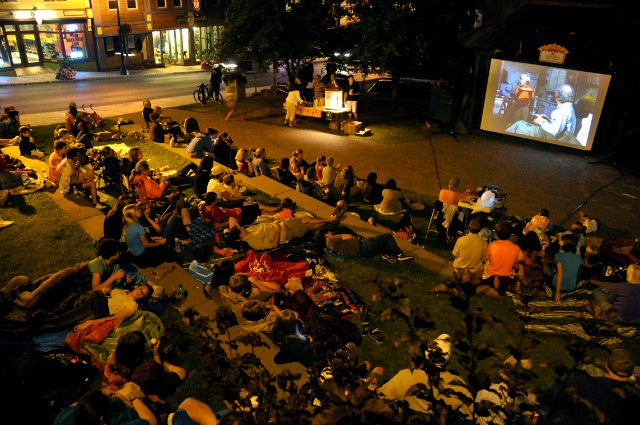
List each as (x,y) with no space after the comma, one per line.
(533,176)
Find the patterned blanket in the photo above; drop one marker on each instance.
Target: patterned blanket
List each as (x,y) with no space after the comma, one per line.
(545,316)
(199,232)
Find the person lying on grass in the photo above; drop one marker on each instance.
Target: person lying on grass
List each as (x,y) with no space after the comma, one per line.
(272,232)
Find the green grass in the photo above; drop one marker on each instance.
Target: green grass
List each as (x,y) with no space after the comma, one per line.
(42,239)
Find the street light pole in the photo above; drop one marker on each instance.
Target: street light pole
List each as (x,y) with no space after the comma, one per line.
(123,68)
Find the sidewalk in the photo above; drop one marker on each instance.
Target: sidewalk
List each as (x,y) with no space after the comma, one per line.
(44,75)
(534,176)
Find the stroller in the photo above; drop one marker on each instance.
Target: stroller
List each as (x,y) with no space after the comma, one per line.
(97,122)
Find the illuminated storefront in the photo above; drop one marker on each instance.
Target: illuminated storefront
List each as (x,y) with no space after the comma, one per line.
(40,36)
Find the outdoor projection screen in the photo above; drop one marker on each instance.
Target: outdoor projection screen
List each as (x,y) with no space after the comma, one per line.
(566,103)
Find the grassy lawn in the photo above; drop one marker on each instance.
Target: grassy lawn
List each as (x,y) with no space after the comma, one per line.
(43,240)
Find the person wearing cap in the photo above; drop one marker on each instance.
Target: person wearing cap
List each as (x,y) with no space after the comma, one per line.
(201,144)
(70,117)
(469,252)
(608,399)
(436,358)
(217,185)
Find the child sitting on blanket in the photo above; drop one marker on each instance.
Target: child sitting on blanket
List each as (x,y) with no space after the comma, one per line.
(568,266)
(215,216)
(198,267)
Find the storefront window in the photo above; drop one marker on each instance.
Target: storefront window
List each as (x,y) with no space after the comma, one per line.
(205,39)
(5,61)
(74,41)
(51,42)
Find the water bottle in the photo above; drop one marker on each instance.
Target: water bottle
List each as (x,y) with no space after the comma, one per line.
(44,172)
(182,293)
(75,192)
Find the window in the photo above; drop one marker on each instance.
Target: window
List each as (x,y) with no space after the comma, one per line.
(132,4)
(162,4)
(177,3)
(112,4)
(75,47)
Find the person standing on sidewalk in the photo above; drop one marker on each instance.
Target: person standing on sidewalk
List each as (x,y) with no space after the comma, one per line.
(293,100)
(351,97)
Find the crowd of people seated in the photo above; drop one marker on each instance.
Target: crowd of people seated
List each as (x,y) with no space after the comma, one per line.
(136,374)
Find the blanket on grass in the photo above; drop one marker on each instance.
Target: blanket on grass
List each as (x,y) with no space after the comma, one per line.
(99,340)
(199,232)
(543,315)
(333,297)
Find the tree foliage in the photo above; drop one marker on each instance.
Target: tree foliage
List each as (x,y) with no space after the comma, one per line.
(409,38)
(281,32)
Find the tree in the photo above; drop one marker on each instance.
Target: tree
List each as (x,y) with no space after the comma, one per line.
(409,38)
(282,32)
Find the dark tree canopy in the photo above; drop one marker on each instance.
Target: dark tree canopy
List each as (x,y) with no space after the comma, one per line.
(409,38)
(283,33)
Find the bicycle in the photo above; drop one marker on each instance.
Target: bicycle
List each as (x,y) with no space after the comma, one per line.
(205,93)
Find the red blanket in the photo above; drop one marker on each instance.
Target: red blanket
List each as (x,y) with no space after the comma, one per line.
(264,268)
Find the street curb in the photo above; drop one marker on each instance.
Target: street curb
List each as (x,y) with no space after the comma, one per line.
(98,78)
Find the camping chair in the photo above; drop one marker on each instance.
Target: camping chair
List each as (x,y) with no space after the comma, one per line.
(437,215)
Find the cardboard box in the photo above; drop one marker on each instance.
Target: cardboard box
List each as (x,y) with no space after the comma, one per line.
(306,111)
(334,125)
(352,127)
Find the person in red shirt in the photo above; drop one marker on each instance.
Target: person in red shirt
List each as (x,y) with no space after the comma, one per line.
(502,255)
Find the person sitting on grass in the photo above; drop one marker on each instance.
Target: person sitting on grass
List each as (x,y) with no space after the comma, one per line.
(201,144)
(148,189)
(105,270)
(502,255)
(142,251)
(242,162)
(129,407)
(284,174)
(260,164)
(73,175)
(216,216)
(293,344)
(132,362)
(624,298)
(202,176)
(198,267)
(392,199)
(176,222)
(113,222)
(568,265)
(372,191)
(27,145)
(57,161)
(448,388)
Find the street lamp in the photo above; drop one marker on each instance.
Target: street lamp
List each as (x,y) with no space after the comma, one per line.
(123,67)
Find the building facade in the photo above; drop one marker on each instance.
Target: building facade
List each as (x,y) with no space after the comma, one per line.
(85,32)
(43,32)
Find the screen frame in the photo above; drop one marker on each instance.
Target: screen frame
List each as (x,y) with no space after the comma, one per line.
(494,123)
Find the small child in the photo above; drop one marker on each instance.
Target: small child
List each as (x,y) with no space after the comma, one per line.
(590,224)
(198,267)
(111,163)
(568,266)
(404,229)
(147,110)
(27,145)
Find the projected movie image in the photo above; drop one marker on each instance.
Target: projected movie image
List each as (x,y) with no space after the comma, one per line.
(544,103)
